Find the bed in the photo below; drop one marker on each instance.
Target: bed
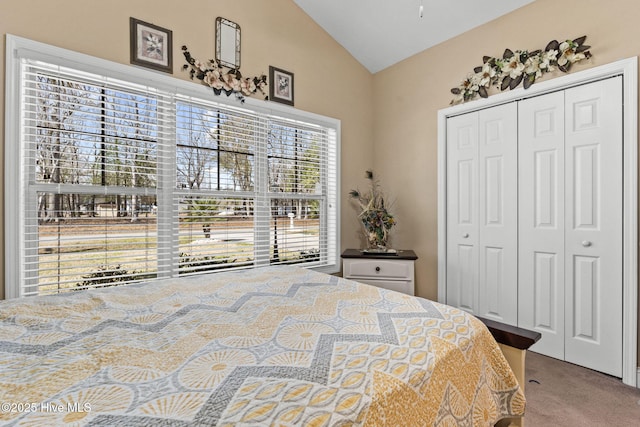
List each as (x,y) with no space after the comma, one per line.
(276,345)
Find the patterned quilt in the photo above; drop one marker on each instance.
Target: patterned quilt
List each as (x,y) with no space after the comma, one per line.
(272,346)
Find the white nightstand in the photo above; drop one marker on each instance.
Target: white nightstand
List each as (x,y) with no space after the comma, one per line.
(395,272)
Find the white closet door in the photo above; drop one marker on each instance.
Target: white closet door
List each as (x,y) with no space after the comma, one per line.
(541,221)
(570,224)
(593,264)
(498,213)
(462,212)
(482,213)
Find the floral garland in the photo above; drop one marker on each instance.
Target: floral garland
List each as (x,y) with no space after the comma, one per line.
(520,66)
(231,81)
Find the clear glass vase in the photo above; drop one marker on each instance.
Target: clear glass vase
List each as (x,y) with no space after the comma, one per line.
(376,239)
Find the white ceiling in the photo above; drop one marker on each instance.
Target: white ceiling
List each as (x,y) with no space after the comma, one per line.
(380,33)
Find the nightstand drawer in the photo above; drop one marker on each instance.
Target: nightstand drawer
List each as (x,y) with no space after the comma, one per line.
(378,269)
(404,286)
(394,272)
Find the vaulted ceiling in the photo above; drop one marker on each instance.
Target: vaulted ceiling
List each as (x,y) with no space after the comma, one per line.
(380,33)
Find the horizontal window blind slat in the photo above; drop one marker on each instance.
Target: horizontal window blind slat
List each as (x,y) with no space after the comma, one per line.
(126,183)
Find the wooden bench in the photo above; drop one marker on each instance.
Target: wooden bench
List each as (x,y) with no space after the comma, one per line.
(514,343)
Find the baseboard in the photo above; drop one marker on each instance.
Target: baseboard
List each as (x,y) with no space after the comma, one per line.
(638,379)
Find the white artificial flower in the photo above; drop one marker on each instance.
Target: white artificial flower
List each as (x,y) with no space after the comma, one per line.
(568,53)
(513,67)
(547,58)
(247,86)
(578,57)
(487,74)
(212,78)
(475,79)
(231,83)
(532,66)
(550,55)
(469,85)
(199,65)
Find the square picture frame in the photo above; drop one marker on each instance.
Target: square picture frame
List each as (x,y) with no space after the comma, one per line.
(280,85)
(151,46)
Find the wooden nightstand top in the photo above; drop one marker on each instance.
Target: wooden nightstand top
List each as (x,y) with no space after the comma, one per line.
(404,254)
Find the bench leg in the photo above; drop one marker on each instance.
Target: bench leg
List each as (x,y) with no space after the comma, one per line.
(515,358)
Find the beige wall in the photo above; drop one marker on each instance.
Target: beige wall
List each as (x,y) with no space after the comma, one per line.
(327,79)
(409,95)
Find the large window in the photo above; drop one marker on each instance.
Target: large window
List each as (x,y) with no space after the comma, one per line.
(116,175)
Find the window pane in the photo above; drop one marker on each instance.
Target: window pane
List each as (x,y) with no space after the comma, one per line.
(294,159)
(94,136)
(295,231)
(237,171)
(215,233)
(238,138)
(197,167)
(95,240)
(215,148)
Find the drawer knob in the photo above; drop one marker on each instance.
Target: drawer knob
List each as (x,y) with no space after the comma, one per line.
(465,236)
(377,269)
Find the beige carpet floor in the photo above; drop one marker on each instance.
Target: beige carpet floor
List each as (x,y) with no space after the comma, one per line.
(563,394)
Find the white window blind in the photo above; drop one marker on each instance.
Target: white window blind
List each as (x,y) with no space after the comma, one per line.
(91,149)
(297,175)
(123,181)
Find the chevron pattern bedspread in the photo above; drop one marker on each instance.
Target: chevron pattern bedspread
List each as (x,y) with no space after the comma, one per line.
(279,346)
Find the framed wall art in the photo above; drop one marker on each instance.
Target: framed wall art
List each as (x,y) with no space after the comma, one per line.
(151,46)
(280,85)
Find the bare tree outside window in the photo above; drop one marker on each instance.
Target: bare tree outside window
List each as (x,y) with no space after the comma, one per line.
(91,136)
(125,183)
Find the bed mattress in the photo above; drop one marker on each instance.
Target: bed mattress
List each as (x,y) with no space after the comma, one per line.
(277,345)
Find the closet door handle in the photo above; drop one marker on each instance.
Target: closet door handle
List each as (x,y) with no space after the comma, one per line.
(465,235)
(586,243)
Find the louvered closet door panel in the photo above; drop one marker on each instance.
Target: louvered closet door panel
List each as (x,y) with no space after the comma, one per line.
(594,226)
(462,212)
(498,213)
(541,220)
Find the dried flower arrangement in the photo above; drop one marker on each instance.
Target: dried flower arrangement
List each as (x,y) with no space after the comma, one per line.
(374,216)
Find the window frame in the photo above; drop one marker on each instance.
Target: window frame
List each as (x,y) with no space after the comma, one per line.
(18,48)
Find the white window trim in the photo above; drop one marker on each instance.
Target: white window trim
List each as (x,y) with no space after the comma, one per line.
(18,47)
